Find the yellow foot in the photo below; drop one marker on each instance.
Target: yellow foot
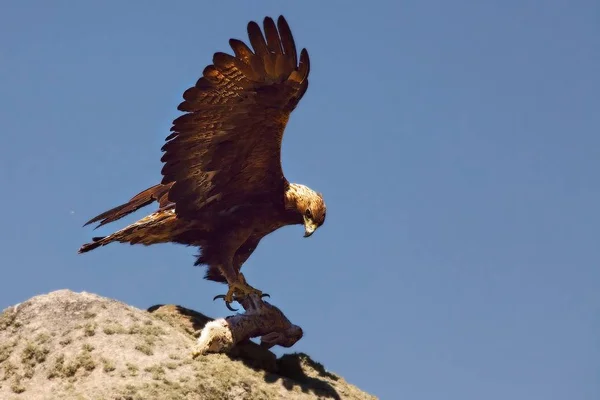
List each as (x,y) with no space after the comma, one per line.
(238,290)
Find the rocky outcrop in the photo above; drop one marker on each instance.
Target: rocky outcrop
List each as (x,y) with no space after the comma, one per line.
(67,345)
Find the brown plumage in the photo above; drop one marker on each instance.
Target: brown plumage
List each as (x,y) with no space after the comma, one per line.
(223,188)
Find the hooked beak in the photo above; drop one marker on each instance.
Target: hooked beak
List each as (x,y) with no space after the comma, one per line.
(309,227)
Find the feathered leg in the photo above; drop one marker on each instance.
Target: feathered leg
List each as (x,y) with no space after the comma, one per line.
(238,286)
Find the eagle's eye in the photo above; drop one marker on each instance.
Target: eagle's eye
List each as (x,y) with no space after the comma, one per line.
(308,213)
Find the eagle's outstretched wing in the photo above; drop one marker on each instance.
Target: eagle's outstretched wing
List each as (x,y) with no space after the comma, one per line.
(227,148)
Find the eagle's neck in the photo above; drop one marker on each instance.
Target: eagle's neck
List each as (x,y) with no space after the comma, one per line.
(294,195)
(295,201)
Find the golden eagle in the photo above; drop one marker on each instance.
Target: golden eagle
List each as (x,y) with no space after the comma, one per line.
(223,187)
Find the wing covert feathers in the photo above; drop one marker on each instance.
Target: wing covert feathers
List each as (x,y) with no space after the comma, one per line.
(227,145)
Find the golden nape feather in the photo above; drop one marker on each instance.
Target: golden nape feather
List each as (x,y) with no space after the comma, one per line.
(223,188)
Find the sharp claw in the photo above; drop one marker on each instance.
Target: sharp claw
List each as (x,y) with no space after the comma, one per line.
(227,304)
(265,295)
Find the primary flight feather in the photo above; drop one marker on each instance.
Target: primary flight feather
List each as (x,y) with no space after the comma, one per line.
(223,188)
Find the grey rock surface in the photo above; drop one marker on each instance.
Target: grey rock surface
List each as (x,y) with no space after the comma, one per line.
(67,345)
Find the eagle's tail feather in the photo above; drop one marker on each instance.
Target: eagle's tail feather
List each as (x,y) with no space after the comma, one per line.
(96,242)
(154,228)
(142,199)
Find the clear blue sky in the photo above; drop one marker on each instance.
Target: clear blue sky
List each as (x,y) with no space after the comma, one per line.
(457,145)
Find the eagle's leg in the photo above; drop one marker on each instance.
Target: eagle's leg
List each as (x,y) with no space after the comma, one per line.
(244,244)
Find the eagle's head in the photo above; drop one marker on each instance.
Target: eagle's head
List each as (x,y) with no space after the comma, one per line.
(314,213)
(309,204)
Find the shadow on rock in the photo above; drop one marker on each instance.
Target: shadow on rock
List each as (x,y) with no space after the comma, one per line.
(296,369)
(300,370)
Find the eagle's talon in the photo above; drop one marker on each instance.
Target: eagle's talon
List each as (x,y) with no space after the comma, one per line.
(237,291)
(227,303)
